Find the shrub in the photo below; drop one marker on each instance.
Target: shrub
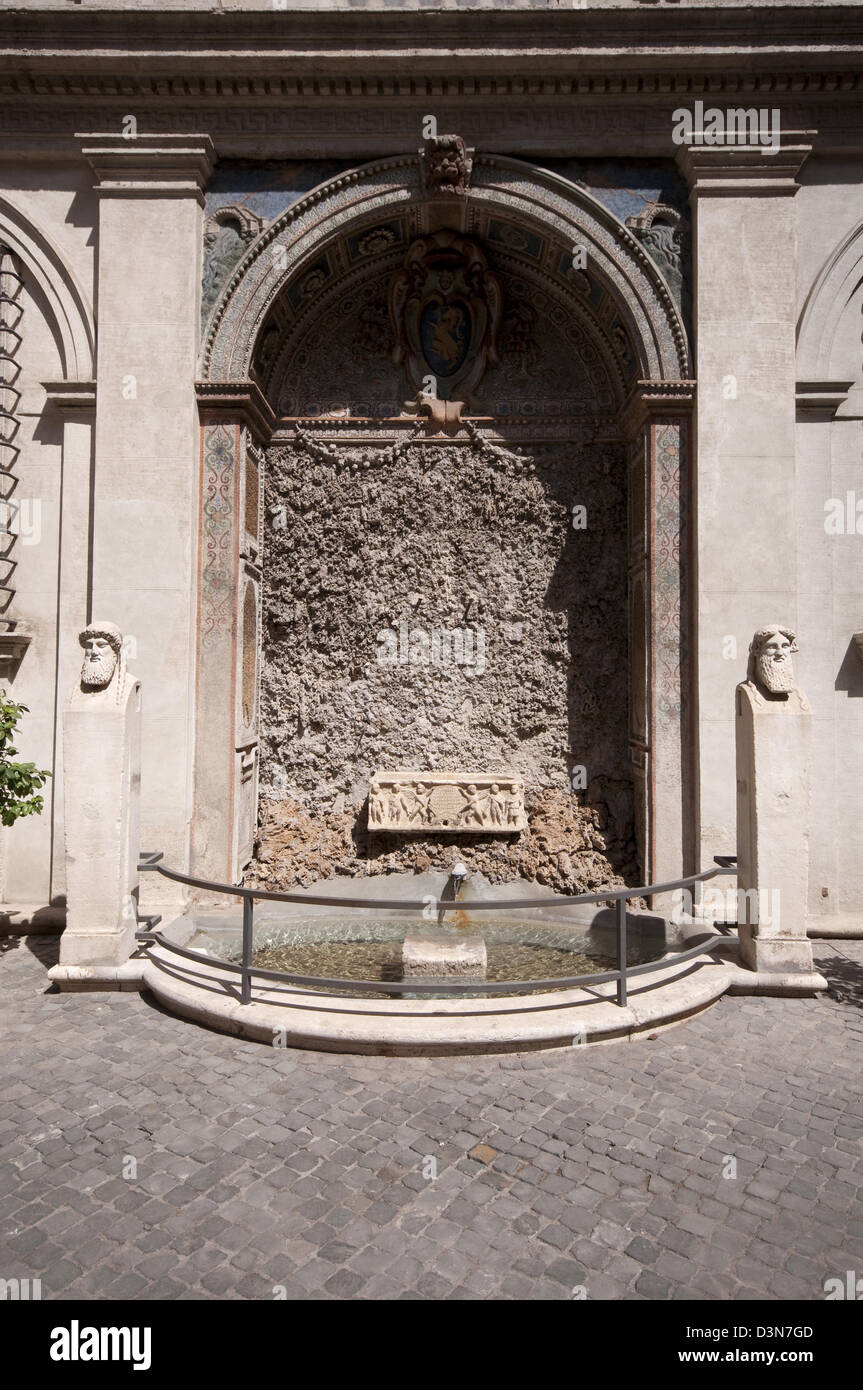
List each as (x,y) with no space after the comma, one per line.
(19,782)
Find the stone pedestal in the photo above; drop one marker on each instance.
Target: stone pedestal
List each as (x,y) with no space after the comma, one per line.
(430,956)
(102,781)
(773,736)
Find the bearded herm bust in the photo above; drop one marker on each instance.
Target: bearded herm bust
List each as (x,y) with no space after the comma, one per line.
(773,742)
(103,671)
(771,670)
(101,811)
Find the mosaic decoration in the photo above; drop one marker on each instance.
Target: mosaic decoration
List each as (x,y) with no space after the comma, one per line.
(217,507)
(360,221)
(668,527)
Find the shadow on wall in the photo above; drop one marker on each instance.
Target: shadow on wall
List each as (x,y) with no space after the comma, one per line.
(850,675)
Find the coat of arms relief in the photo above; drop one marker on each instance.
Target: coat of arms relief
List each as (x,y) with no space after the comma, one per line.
(445,311)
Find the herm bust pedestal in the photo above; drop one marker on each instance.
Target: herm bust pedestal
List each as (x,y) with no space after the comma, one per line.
(102,781)
(774,740)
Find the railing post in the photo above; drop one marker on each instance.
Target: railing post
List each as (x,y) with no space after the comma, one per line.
(621,952)
(248,937)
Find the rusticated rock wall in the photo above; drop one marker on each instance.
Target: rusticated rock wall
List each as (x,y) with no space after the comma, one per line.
(434,606)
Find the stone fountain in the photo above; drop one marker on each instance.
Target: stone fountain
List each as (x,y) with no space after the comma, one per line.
(437,954)
(447,802)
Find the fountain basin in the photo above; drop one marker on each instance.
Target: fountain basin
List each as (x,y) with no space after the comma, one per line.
(293,1017)
(315,1017)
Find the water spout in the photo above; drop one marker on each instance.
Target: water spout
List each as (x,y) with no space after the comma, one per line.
(457,875)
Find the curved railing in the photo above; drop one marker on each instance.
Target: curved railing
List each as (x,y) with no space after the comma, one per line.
(151,863)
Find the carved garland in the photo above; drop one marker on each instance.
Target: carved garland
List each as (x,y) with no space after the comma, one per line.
(362,459)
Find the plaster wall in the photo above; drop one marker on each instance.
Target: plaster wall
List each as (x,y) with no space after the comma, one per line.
(58,199)
(830,566)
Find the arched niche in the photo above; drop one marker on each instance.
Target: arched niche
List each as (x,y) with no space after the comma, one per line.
(66,308)
(48,340)
(828,329)
(506,189)
(289,291)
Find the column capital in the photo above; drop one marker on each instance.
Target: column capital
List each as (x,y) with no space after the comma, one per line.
(241,401)
(736,171)
(149,166)
(656,400)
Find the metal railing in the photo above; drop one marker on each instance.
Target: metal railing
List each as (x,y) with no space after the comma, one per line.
(151,863)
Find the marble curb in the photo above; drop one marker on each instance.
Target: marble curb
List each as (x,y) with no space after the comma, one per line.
(209,995)
(80,978)
(77,979)
(745,981)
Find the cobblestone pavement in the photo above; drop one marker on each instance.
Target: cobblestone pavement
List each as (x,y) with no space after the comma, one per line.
(256,1168)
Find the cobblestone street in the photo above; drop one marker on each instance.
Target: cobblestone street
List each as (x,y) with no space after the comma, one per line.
(607,1169)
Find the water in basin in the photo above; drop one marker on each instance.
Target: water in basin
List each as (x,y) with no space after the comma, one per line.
(365,946)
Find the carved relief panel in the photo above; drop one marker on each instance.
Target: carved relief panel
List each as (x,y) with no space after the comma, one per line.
(467,802)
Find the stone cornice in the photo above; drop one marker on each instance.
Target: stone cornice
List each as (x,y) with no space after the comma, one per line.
(821,398)
(221,38)
(651,400)
(71,395)
(334,117)
(804,76)
(351,84)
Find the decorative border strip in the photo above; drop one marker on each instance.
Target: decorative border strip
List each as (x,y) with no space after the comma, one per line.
(273,87)
(219,444)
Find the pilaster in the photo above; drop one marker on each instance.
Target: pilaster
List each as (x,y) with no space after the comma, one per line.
(150,191)
(744,481)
